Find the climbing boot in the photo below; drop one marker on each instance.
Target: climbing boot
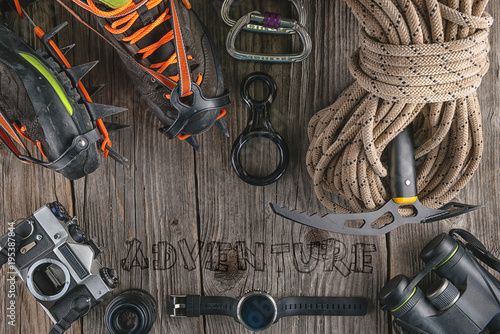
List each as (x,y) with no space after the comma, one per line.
(171,58)
(43,101)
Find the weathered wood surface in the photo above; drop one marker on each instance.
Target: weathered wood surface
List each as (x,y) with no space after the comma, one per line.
(198,228)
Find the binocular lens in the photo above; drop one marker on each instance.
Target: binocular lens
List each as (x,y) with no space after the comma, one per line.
(443,294)
(132,312)
(394,294)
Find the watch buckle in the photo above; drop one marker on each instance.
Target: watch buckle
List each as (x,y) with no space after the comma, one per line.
(177,306)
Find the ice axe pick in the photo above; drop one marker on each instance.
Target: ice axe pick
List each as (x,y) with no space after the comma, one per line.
(404,193)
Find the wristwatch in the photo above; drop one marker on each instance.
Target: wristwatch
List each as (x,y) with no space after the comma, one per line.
(257,310)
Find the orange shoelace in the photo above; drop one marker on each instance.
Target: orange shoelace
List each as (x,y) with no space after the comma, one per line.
(19,9)
(126,16)
(22,131)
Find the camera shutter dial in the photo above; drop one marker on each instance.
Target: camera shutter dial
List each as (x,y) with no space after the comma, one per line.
(59,211)
(76,233)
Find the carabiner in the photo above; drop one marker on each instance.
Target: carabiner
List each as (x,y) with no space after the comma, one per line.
(273,29)
(262,22)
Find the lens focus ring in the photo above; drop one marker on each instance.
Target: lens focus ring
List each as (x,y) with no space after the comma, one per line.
(132,312)
(408,304)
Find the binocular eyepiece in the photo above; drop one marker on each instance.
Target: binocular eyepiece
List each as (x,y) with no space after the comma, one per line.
(464,300)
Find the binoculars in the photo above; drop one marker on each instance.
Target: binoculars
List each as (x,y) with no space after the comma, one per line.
(466,298)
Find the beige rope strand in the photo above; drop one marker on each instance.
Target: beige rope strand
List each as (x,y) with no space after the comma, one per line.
(420,61)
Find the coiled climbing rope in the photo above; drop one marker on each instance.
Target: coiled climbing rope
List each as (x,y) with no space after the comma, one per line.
(420,62)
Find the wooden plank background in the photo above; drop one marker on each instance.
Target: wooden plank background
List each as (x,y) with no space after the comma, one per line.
(179,222)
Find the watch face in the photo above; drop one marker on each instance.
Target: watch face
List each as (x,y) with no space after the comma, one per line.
(257,311)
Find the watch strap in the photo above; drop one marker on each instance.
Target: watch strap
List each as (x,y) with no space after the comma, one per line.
(342,306)
(194,306)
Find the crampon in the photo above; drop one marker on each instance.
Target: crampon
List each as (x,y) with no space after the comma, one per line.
(43,101)
(171,58)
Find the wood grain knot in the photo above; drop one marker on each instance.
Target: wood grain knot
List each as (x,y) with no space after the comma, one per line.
(230,274)
(315,236)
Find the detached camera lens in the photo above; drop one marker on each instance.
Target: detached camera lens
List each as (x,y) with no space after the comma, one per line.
(127,320)
(132,312)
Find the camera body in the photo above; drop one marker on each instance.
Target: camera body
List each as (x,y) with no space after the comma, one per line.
(58,264)
(466,299)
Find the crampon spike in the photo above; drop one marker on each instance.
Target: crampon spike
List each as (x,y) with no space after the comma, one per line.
(221,124)
(113,127)
(117,157)
(78,72)
(51,33)
(93,90)
(193,142)
(99,111)
(65,49)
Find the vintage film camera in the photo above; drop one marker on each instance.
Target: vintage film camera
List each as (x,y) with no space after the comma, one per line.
(466,299)
(58,264)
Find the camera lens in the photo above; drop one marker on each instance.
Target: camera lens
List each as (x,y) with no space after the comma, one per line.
(257,311)
(132,312)
(127,320)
